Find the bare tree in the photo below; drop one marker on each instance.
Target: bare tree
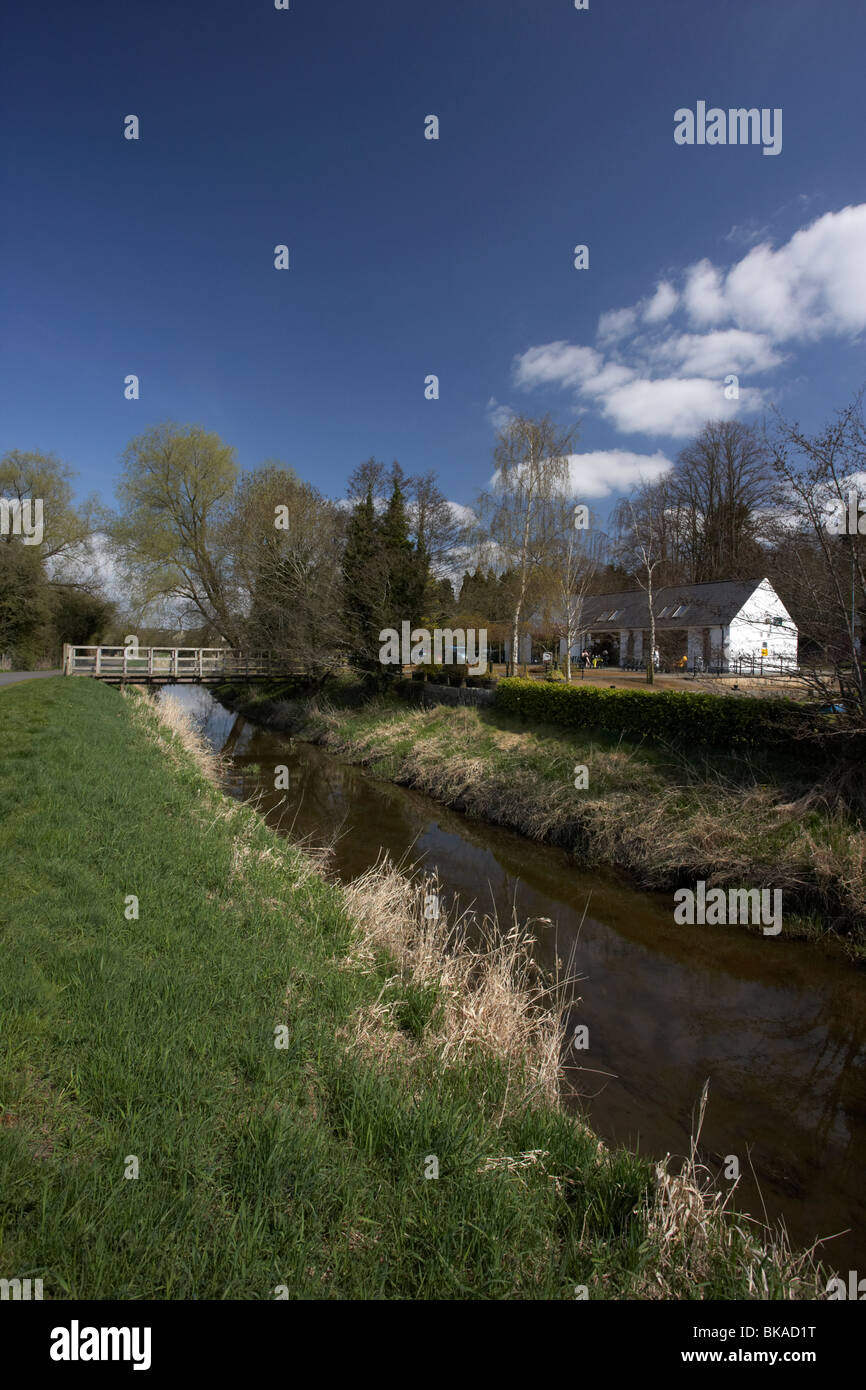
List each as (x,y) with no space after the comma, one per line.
(820,556)
(436,527)
(369,477)
(643,530)
(577,554)
(531,458)
(716,496)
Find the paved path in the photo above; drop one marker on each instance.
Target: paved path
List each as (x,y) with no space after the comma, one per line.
(11,677)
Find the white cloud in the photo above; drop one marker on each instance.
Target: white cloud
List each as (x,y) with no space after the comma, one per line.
(703,296)
(559,364)
(667,378)
(662,304)
(602,472)
(605,471)
(812,287)
(465,515)
(91,563)
(745,232)
(616,323)
(716,354)
(498,415)
(675,406)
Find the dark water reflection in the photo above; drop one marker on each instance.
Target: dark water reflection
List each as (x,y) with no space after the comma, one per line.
(777,1027)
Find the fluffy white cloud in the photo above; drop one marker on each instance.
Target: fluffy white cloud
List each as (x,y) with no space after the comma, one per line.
(652,375)
(616,323)
(716,354)
(497,414)
(560,364)
(620,323)
(465,515)
(662,304)
(812,287)
(703,297)
(605,471)
(674,406)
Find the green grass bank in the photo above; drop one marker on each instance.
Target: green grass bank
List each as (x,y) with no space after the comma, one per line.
(158,940)
(667,815)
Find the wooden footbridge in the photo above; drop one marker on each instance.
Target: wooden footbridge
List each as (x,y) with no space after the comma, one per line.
(174,665)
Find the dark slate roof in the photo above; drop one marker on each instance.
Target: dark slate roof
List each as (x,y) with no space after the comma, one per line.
(704,605)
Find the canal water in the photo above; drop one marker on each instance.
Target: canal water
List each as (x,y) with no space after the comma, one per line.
(777,1027)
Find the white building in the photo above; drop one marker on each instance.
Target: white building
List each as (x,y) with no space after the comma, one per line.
(721,625)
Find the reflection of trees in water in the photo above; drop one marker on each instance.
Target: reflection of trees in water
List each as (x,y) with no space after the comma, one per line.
(230,742)
(824,1066)
(836,1081)
(800,1090)
(209,718)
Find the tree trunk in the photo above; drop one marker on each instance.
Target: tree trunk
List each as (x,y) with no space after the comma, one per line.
(650,666)
(515,652)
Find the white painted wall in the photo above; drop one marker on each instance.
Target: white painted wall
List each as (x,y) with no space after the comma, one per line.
(753,629)
(524,647)
(719,644)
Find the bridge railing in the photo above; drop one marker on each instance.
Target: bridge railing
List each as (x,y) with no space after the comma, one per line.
(169,663)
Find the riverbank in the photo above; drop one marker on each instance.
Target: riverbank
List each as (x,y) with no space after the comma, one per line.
(223,1076)
(667,818)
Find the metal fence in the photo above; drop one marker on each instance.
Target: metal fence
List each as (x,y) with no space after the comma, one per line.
(738,666)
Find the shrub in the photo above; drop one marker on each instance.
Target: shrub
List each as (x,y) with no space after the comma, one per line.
(691,717)
(429,671)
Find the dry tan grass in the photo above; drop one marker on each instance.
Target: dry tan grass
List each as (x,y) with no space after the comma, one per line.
(493,999)
(171,715)
(305,864)
(690,820)
(690,1221)
(491,994)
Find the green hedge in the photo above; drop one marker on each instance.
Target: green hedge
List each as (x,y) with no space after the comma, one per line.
(691,717)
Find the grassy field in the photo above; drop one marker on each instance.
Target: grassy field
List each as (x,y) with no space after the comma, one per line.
(147,1043)
(667,817)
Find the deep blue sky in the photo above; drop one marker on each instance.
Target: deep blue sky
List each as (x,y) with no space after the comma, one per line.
(411,256)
